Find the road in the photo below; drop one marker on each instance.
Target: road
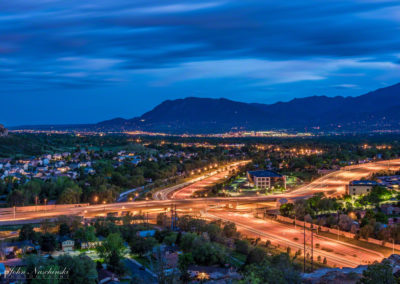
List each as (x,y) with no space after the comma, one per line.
(186,190)
(337,253)
(332,184)
(136,269)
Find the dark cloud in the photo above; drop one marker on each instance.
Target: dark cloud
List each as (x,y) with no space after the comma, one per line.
(76,44)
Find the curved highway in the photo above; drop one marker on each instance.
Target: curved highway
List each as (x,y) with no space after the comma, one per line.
(332,184)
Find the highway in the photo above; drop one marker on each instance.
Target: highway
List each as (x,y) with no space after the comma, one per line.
(338,253)
(333,184)
(186,190)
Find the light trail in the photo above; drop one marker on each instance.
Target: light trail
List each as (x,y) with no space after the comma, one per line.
(332,184)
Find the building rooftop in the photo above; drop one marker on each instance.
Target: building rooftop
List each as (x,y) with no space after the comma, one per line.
(264,173)
(363,182)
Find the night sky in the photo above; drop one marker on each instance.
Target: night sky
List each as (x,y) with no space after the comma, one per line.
(83,61)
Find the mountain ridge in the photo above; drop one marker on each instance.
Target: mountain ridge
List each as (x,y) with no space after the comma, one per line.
(373,111)
(369,112)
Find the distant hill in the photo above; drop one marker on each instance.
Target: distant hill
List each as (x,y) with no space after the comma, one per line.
(375,110)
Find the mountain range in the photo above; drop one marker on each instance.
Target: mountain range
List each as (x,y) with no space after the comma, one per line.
(374,111)
(377,110)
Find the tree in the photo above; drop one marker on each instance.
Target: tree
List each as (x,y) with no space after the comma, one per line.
(82,269)
(287,209)
(178,238)
(48,242)
(73,269)
(86,234)
(213,231)
(70,195)
(187,241)
(63,230)
(112,250)
(242,246)
(301,208)
(27,233)
(283,263)
(141,245)
(230,230)
(345,222)
(256,255)
(271,273)
(381,217)
(378,273)
(366,231)
(207,253)
(34,264)
(170,239)
(161,219)
(159,266)
(184,261)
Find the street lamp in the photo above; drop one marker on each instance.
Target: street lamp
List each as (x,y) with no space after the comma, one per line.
(45,202)
(96,198)
(104,202)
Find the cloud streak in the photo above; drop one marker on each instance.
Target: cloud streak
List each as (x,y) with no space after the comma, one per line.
(136,47)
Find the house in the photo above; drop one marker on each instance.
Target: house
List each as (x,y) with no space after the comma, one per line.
(389,209)
(213,273)
(360,187)
(67,244)
(169,255)
(265,179)
(89,245)
(20,247)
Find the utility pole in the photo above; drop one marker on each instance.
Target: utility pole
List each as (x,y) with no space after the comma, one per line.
(14,212)
(393,246)
(176,217)
(312,248)
(172,217)
(36,200)
(304,240)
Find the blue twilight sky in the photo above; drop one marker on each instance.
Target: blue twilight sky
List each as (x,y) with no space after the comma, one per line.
(85,61)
